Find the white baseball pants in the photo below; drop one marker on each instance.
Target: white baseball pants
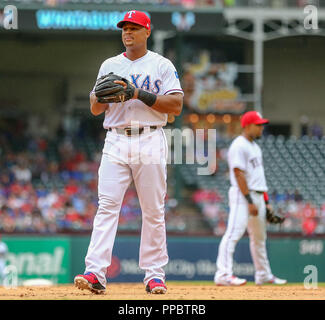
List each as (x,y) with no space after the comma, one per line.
(239,220)
(142,159)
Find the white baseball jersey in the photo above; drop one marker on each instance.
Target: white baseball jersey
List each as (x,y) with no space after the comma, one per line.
(153,73)
(247,156)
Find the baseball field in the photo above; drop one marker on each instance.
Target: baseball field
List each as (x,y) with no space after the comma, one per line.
(176,291)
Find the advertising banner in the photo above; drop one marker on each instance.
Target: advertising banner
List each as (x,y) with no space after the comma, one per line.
(294,259)
(189,259)
(39,258)
(59,259)
(210,87)
(194,258)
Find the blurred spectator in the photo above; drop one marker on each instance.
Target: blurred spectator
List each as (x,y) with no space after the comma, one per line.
(206,195)
(309,226)
(304,126)
(316,130)
(297,196)
(175,220)
(303,3)
(210,203)
(220,228)
(189,4)
(22,173)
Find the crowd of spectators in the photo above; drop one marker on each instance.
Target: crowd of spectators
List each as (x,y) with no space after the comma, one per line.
(210,203)
(50,192)
(38,194)
(301,216)
(58,193)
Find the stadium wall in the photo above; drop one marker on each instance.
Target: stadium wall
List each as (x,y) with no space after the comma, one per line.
(60,258)
(293,81)
(50,73)
(53,70)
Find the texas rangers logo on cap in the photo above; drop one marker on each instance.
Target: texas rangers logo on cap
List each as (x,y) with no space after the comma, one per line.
(137,17)
(252,117)
(130,13)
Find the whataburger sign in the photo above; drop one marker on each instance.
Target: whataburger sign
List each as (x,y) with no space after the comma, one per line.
(78,20)
(97,20)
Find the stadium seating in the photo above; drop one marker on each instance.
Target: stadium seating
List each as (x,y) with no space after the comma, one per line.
(294,168)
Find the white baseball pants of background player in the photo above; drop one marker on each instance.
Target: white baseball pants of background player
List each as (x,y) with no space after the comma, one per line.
(240,219)
(142,159)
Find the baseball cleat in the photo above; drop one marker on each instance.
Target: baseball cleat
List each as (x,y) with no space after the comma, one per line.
(230,281)
(90,282)
(273,280)
(156,286)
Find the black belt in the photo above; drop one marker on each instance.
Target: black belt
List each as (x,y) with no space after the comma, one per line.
(260,192)
(131,131)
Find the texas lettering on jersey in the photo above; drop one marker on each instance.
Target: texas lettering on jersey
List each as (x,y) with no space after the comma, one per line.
(144,82)
(152,73)
(247,156)
(256,162)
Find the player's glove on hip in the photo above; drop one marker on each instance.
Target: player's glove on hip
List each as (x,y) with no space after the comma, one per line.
(107,91)
(272,217)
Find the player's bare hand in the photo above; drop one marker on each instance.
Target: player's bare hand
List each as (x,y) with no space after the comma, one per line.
(252,209)
(122,83)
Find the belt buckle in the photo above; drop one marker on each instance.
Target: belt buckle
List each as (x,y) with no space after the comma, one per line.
(128,131)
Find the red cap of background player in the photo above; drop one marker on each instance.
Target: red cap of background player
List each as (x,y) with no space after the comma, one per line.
(137,17)
(252,117)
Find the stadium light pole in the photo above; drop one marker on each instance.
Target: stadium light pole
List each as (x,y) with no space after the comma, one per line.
(178,186)
(258,62)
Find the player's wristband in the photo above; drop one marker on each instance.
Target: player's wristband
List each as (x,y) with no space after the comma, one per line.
(146,97)
(249,198)
(266,197)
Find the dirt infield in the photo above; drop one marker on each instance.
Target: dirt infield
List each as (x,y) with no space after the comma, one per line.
(176,291)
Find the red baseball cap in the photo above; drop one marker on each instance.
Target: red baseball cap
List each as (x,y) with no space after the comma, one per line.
(137,17)
(252,117)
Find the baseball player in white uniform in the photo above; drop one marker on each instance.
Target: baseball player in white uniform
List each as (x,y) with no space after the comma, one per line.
(135,150)
(247,201)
